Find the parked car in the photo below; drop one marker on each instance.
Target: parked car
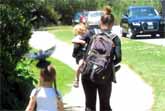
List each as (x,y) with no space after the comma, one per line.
(93,18)
(141,20)
(79,17)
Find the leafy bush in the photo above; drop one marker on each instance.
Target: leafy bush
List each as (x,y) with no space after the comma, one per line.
(39,12)
(68,8)
(44,14)
(15,32)
(16,21)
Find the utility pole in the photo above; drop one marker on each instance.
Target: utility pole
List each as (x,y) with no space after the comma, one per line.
(163,17)
(163,8)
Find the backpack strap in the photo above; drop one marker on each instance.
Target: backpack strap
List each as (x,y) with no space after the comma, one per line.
(97,31)
(37,91)
(56,91)
(111,35)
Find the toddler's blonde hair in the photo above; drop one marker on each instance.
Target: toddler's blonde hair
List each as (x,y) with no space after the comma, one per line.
(79,29)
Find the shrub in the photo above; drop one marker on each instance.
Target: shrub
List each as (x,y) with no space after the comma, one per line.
(44,14)
(15,33)
(68,8)
(16,21)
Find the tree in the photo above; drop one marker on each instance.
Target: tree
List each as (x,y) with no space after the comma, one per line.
(16,21)
(67,8)
(163,7)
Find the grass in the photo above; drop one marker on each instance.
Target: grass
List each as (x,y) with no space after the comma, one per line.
(149,62)
(65,74)
(146,59)
(63,33)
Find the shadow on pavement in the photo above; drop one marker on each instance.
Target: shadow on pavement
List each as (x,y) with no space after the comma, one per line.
(147,37)
(73,108)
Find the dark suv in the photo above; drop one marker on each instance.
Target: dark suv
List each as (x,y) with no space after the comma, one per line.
(141,20)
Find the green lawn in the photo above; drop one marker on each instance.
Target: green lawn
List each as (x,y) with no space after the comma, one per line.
(149,62)
(65,75)
(63,33)
(146,59)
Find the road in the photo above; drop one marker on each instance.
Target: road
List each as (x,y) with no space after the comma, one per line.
(158,41)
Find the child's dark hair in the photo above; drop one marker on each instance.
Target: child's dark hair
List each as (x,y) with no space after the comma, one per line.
(48,73)
(107,19)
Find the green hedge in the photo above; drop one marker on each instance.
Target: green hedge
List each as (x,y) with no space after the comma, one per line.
(15,33)
(16,22)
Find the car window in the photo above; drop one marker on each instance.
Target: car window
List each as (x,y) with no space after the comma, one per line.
(77,15)
(95,14)
(137,12)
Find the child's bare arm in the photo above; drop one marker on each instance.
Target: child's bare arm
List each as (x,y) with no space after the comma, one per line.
(31,104)
(78,41)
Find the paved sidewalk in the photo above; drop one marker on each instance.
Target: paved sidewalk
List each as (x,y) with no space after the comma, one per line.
(156,41)
(131,93)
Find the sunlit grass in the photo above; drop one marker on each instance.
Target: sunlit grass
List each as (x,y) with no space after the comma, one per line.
(63,33)
(149,62)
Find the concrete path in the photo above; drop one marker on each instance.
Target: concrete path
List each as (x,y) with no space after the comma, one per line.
(156,41)
(131,93)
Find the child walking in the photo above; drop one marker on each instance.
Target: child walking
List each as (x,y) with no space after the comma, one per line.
(45,95)
(79,49)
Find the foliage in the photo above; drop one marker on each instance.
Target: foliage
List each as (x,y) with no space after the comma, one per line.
(123,4)
(14,43)
(16,21)
(37,11)
(67,8)
(44,14)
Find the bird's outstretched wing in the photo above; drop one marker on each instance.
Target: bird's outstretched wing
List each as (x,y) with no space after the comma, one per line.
(41,54)
(41,57)
(49,52)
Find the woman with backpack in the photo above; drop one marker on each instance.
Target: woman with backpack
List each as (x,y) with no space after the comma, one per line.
(90,87)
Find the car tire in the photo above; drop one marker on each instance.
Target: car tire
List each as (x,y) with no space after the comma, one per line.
(162,35)
(154,35)
(124,34)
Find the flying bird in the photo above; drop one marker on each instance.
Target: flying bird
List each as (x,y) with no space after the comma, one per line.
(41,57)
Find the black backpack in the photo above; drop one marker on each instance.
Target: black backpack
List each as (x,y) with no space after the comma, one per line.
(98,57)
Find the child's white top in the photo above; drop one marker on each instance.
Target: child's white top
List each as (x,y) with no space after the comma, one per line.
(46,99)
